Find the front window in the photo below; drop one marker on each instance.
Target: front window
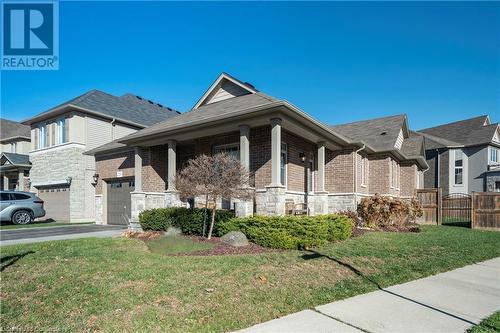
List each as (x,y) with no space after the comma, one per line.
(232,150)
(61,131)
(493,155)
(42,136)
(459,167)
(364,162)
(284,161)
(310,175)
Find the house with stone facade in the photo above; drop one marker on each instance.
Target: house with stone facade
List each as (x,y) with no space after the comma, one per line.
(463,156)
(14,160)
(292,157)
(61,174)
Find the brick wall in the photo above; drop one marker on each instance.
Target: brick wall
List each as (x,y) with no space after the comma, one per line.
(339,171)
(297,170)
(108,165)
(260,156)
(408,179)
(379,174)
(154,169)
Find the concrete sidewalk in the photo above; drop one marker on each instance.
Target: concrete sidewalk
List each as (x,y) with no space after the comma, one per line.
(449,302)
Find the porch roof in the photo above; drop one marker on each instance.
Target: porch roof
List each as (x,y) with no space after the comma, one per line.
(12,161)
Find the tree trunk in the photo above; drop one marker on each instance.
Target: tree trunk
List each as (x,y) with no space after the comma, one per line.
(212,223)
(205,216)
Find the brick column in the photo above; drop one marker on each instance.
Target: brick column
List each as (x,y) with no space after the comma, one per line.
(244,208)
(320,195)
(171,195)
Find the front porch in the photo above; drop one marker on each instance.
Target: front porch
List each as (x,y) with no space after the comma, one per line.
(14,172)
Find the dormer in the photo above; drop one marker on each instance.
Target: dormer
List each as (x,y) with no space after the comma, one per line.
(225,87)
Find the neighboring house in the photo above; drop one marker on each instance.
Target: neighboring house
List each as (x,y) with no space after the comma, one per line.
(61,174)
(14,161)
(463,156)
(291,157)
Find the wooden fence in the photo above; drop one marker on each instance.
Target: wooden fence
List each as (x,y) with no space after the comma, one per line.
(430,200)
(486,210)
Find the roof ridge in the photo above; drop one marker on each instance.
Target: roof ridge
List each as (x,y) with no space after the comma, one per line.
(455,122)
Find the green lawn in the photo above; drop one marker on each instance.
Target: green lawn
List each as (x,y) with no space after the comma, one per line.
(119,285)
(173,244)
(489,325)
(38,224)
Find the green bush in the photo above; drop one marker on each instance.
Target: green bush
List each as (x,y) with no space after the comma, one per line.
(189,220)
(290,232)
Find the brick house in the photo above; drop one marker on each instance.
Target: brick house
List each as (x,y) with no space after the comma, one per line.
(291,156)
(61,174)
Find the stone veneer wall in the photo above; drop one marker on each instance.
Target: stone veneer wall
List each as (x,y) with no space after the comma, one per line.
(340,202)
(58,163)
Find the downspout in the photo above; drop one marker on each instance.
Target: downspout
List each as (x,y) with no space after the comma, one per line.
(355,174)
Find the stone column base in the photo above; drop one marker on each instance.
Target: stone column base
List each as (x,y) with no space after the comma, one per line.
(271,201)
(138,204)
(320,203)
(244,208)
(172,199)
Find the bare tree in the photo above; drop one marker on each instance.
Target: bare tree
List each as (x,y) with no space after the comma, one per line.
(214,177)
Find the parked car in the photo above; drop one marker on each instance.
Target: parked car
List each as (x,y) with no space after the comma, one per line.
(20,207)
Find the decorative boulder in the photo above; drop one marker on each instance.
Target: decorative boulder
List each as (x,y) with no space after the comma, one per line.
(235,238)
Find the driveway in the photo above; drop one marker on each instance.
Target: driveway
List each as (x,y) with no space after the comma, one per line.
(42,234)
(449,302)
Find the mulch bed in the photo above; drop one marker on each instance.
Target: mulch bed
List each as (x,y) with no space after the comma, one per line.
(222,249)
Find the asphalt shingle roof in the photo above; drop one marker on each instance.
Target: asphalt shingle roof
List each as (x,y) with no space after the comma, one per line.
(372,131)
(466,132)
(17,159)
(225,107)
(127,107)
(10,129)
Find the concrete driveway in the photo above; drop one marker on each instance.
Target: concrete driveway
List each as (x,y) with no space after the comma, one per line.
(42,234)
(449,302)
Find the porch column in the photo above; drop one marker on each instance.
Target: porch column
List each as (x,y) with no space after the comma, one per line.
(5,183)
(321,167)
(137,197)
(138,169)
(21,180)
(171,164)
(320,195)
(245,146)
(172,198)
(276,152)
(244,208)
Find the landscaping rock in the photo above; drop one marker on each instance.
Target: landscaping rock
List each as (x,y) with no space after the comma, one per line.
(235,238)
(173,231)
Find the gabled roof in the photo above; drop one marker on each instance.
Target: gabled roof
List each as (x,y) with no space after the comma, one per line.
(15,159)
(127,108)
(413,145)
(12,129)
(468,132)
(380,134)
(227,86)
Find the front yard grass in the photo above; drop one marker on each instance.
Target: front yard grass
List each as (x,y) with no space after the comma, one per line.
(119,285)
(174,244)
(489,325)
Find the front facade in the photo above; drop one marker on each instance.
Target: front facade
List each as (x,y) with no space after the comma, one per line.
(14,160)
(61,174)
(463,156)
(291,157)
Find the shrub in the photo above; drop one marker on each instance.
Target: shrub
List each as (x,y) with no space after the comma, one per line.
(189,220)
(381,211)
(290,232)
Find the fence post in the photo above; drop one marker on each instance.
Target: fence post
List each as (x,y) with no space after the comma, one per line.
(472,210)
(439,206)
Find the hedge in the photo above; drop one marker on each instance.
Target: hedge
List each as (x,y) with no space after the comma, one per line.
(189,220)
(290,232)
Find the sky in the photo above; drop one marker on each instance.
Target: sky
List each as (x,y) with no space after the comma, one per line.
(338,61)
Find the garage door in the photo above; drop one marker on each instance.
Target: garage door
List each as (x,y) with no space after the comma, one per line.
(118,201)
(56,202)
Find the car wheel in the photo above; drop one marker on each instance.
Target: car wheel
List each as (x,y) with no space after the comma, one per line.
(22,217)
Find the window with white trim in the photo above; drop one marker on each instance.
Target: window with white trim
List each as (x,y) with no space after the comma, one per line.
(310,175)
(364,170)
(283,163)
(61,131)
(13,147)
(459,167)
(42,136)
(493,155)
(232,149)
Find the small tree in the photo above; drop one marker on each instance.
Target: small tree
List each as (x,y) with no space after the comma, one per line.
(214,177)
